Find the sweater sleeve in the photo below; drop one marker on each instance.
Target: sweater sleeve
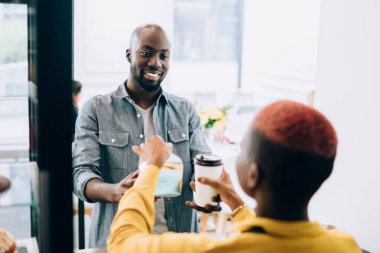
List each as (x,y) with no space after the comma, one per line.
(134,220)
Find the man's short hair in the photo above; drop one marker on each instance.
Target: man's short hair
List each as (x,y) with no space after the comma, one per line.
(294,146)
(76,87)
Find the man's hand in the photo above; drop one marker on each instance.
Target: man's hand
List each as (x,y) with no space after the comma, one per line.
(124,185)
(226,191)
(155,151)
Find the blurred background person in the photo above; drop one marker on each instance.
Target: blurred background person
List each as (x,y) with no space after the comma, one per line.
(76,89)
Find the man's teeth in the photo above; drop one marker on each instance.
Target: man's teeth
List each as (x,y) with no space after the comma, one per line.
(151,74)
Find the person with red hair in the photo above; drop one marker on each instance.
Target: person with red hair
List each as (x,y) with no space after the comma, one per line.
(286,154)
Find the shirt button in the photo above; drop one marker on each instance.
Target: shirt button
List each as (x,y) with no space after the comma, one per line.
(112,140)
(183,135)
(138,115)
(141,136)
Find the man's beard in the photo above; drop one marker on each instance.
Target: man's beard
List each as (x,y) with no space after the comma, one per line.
(144,86)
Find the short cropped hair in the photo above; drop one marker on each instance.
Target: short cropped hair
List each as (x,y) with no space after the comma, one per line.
(76,87)
(294,146)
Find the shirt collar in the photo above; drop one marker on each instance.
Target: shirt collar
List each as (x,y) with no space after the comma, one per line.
(284,229)
(122,92)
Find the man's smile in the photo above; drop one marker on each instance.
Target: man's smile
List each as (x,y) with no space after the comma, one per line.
(152,75)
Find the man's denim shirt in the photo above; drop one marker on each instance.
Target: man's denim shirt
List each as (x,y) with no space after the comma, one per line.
(106,129)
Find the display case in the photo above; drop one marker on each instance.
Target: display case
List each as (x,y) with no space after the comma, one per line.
(18,205)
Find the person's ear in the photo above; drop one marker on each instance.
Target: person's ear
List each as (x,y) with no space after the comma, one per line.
(253,176)
(128,54)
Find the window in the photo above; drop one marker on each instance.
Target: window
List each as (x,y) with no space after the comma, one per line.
(206,44)
(14,126)
(206,30)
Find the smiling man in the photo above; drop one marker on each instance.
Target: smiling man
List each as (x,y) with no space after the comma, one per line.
(108,126)
(149,56)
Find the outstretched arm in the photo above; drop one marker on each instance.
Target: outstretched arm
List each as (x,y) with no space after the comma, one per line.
(130,230)
(87,175)
(98,191)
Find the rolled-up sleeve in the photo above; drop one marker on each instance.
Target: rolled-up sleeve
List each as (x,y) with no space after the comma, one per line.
(131,227)
(86,151)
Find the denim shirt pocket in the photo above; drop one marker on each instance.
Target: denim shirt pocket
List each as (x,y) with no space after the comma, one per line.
(114,146)
(180,140)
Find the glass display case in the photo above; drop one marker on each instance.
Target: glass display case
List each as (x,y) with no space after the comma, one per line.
(35,120)
(18,205)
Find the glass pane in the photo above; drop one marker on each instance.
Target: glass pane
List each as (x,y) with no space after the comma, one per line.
(14,126)
(206,42)
(13,50)
(206,30)
(18,204)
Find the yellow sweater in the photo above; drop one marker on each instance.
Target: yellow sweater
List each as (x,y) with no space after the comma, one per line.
(131,227)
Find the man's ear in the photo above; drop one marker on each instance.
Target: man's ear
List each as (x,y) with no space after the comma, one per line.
(253,176)
(128,54)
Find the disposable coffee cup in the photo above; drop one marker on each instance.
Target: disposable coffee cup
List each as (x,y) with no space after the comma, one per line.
(209,166)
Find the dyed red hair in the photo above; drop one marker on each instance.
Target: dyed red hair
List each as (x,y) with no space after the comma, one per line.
(298,127)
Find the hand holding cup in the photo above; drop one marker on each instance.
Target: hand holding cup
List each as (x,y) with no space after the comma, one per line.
(224,187)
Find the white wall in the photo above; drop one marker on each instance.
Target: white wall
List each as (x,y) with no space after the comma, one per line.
(280,40)
(348,92)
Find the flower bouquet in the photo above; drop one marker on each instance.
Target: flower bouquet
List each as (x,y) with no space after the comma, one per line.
(213,118)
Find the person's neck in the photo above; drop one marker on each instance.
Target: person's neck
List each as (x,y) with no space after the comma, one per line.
(281,210)
(142,98)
